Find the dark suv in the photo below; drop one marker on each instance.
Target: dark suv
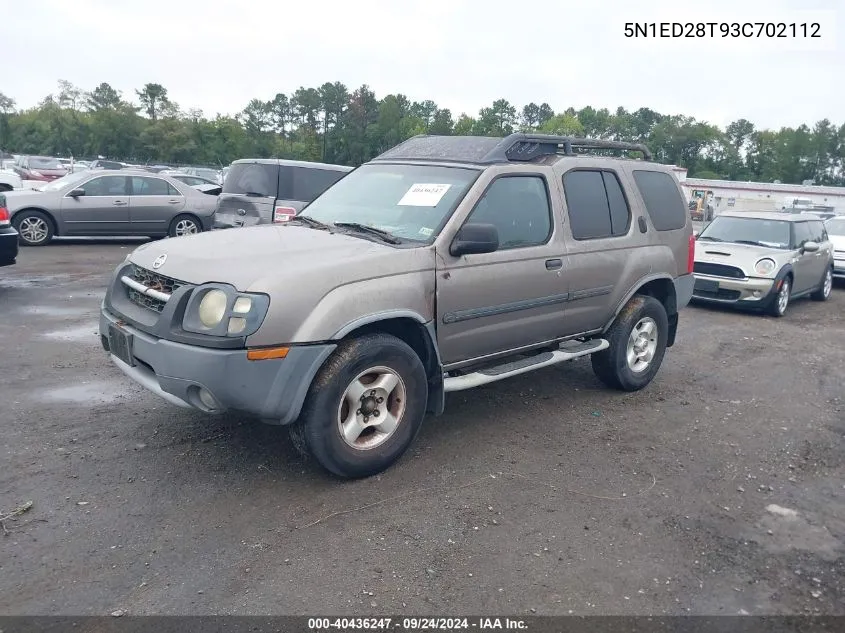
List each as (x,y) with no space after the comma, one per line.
(268,190)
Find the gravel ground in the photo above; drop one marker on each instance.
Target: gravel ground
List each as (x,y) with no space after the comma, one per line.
(717,490)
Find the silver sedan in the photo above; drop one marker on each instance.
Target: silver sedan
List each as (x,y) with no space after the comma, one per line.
(110,202)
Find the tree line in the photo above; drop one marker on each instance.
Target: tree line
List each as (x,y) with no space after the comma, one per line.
(332,124)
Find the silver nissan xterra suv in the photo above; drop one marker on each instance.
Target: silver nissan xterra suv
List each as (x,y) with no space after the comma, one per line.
(446,263)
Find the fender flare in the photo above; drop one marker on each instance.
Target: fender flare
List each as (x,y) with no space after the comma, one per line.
(635,288)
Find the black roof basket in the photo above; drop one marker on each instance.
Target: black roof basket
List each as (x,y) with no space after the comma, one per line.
(525,147)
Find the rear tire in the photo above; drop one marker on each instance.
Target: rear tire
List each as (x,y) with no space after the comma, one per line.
(637,340)
(364,407)
(823,293)
(184,224)
(34,228)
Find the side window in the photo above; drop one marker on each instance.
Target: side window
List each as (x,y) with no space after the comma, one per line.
(519,208)
(596,204)
(142,186)
(172,191)
(662,199)
(106,186)
(802,233)
(309,183)
(817,231)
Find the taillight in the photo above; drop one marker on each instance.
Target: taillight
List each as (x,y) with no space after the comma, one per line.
(5,217)
(283,214)
(691,255)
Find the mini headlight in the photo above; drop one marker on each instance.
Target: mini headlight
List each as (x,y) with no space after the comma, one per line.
(213,308)
(765,266)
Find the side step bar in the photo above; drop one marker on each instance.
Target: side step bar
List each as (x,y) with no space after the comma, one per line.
(567,351)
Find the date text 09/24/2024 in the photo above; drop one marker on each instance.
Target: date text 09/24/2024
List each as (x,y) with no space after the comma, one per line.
(415,624)
(790,30)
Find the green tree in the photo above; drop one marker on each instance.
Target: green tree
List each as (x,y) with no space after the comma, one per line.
(153,98)
(102,97)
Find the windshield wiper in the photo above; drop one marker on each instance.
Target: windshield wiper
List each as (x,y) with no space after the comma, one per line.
(711,239)
(308,221)
(752,242)
(387,236)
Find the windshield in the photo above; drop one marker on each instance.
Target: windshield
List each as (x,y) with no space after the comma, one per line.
(41,162)
(409,201)
(60,183)
(836,227)
(769,233)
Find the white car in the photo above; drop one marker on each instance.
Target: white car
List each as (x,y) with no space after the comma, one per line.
(9,180)
(836,232)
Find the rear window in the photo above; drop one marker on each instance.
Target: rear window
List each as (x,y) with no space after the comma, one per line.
(662,199)
(253,179)
(309,183)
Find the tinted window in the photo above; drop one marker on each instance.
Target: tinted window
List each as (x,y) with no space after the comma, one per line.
(106,186)
(308,183)
(152,187)
(253,178)
(817,231)
(662,199)
(802,233)
(620,214)
(586,201)
(519,208)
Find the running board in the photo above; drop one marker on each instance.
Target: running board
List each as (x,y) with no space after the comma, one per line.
(568,351)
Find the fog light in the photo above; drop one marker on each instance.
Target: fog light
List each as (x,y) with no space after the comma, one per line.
(756,294)
(207,399)
(236,325)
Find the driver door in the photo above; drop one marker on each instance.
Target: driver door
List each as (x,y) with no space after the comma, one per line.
(102,209)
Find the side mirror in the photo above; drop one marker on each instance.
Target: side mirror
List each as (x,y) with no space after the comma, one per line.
(75,193)
(811,247)
(475,239)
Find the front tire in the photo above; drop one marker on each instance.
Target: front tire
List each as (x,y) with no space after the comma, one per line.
(823,293)
(780,302)
(34,228)
(184,224)
(364,407)
(637,340)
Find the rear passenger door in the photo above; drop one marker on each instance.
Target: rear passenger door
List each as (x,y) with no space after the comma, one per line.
(600,232)
(153,203)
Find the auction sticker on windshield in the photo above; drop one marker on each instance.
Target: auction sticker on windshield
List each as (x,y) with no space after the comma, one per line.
(423,195)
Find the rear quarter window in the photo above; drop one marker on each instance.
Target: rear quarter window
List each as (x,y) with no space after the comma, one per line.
(253,178)
(663,201)
(309,183)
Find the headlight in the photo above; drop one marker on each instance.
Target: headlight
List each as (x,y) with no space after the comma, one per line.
(220,310)
(213,308)
(765,267)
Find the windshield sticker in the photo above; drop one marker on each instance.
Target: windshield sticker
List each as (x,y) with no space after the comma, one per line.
(426,232)
(423,195)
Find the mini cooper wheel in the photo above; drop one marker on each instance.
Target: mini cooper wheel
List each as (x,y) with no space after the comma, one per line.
(34,228)
(364,407)
(823,292)
(780,301)
(637,340)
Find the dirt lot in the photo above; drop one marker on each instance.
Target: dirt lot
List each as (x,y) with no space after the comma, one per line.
(544,493)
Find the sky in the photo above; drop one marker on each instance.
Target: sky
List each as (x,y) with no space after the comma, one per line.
(216,55)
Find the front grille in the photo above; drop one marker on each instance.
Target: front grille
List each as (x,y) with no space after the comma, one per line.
(726,295)
(153,281)
(718,270)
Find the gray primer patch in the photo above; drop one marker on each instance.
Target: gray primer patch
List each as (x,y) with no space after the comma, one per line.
(86,333)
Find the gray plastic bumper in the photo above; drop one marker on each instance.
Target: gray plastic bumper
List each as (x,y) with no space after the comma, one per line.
(186,375)
(684,286)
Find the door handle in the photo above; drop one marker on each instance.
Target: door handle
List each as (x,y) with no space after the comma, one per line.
(173,201)
(554,264)
(120,203)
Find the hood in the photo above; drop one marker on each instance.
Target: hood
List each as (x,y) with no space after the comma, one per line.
(838,241)
(268,257)
(743,256)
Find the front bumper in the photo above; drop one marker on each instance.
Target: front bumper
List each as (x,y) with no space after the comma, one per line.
(273,390)
(750,291)
(8,246)
(839,266)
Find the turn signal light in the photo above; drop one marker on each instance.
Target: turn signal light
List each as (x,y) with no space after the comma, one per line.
(267,353)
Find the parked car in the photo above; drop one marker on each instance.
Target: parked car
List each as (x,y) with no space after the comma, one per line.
(43,168)
(110,202)
(9,180)
(193,181)
(214,175)
(8,236)
(835,228)
(268,190)
(763,260)
(446,263)
(106,164)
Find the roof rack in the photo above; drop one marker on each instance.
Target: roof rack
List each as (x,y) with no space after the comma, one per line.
(525,147)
